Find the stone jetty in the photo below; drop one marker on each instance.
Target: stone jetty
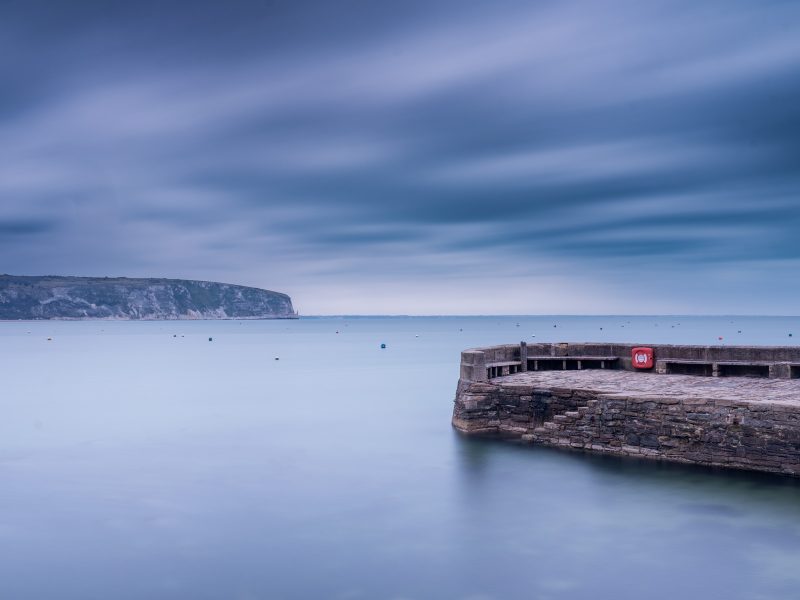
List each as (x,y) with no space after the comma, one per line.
(725,406)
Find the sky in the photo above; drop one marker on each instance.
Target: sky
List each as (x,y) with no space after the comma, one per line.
(433,157)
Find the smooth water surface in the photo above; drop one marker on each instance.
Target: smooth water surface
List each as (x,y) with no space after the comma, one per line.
(141,460)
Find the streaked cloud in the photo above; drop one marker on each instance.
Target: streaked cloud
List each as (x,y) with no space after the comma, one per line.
(355,156)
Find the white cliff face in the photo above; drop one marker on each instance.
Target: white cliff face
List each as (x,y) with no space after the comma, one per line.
(122,298)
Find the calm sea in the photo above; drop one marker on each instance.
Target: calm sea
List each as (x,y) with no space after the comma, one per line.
(141,460)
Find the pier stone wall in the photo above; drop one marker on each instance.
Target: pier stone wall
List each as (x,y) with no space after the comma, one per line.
(714,432)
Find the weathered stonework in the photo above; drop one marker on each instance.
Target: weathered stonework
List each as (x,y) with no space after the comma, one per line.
(739,422)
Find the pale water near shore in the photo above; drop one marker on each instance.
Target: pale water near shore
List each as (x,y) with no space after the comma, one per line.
(135,464)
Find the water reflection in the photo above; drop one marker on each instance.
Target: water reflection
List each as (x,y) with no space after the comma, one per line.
(666,530)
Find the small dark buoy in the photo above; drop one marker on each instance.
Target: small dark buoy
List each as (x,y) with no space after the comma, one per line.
(460,329)
(210,339)
(601,329)
(790,335)
(383,345)
(174,335)
(51,339)
(720,337)
(740,331)
(277,358)
(555,325)
(337,331)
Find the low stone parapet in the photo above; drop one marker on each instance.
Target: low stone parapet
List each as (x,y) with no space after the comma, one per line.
(778,362)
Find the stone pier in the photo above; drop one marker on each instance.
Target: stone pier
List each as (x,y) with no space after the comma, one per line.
(739,408)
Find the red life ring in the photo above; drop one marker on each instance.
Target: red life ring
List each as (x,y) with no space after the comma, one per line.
(642,358)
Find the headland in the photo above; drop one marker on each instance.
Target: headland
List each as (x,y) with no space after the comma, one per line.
(123,298)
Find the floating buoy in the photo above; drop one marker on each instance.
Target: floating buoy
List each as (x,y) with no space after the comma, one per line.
(277,358)
(460,329)
(790,335)
(337,331)
(720,337)
(51,339)
(416,335)
(174,335)
(517,324)
(383,345)
(601,329)
(210,339)
(740,331)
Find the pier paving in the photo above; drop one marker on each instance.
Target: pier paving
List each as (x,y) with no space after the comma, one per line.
(620,383)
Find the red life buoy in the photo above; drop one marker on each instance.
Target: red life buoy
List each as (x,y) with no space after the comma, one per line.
(642,358)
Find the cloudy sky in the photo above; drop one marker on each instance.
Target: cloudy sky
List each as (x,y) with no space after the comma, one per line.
(411,157)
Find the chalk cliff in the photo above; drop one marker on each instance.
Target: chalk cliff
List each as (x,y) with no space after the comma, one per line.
(54,297)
